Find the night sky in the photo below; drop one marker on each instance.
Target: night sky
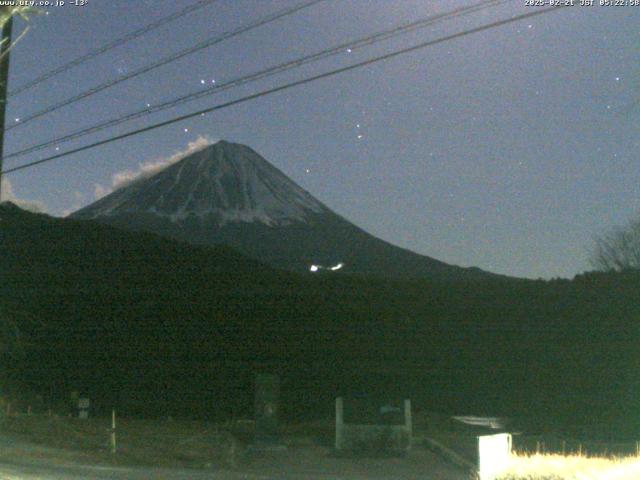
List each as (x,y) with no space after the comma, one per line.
(508,149)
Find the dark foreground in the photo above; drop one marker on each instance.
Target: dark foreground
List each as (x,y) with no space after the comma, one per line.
(23,460)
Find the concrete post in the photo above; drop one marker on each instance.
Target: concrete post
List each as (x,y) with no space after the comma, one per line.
(113,432)
(408,424)
(339,423)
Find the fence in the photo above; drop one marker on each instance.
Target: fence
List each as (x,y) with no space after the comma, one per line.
(378,437)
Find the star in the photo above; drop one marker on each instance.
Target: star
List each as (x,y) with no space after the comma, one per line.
(186,130)
(306,170)
(202,81)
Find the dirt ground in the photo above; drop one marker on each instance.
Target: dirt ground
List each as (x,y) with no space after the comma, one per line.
(197,450)
(318,462)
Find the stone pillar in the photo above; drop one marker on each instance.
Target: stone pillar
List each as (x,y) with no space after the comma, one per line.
(83,408)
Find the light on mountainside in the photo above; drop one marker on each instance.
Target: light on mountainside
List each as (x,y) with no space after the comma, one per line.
(315,268)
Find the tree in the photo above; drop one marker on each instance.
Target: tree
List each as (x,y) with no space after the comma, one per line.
(618,249)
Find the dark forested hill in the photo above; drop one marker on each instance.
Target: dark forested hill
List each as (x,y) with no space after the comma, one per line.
(158,327)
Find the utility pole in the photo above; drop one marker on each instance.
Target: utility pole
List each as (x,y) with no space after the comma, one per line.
(4,80)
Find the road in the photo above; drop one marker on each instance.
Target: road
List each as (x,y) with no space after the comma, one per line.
(30,471)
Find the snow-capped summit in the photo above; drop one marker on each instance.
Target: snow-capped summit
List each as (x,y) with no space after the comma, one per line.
(225,181)
(228,194)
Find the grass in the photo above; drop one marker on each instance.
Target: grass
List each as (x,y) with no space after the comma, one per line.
(571,467)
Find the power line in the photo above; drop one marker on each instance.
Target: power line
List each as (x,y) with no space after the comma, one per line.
(287,86)
(165,61)
(286,66)
(110,46)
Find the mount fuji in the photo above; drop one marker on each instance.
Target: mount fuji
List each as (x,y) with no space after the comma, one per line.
(226,193)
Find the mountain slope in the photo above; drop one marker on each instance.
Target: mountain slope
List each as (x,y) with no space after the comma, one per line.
(224,183)
(228,194)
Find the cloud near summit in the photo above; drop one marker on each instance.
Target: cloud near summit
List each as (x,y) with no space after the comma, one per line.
(150,168)
(8,195)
